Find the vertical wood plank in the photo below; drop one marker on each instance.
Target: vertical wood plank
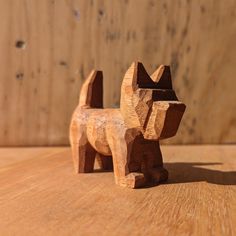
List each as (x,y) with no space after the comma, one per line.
(64,39)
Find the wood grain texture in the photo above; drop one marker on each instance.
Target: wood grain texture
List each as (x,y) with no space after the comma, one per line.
(47,48)
(39,194)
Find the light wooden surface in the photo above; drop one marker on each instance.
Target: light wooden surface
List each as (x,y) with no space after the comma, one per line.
(40,195)
(62,40)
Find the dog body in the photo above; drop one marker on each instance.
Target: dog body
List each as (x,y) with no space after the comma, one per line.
(126,138)
(95,125)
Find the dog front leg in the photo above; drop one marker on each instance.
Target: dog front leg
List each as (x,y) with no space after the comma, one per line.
(121,148)
(154,163)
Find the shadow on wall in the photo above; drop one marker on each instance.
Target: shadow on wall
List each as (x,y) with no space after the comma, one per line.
(192,172)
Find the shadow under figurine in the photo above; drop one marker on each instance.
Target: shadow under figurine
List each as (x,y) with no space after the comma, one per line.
(126,139)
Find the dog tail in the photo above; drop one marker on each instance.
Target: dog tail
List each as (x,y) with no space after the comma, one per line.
(91,94)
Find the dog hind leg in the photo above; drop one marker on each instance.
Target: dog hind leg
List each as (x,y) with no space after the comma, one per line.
(83,157)
(104,162)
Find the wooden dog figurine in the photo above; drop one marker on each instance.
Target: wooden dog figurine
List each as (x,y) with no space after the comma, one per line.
(126,138)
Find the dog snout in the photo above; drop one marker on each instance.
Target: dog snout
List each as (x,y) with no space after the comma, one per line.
(164,119)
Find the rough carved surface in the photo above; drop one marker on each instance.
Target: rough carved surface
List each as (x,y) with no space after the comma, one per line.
(127,137)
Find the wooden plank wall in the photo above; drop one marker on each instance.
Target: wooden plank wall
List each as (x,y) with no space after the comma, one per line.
(48,47)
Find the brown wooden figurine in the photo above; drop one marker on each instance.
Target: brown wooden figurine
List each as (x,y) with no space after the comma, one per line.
(126,139)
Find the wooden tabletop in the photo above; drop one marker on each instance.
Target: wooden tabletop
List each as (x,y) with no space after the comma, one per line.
(41,195)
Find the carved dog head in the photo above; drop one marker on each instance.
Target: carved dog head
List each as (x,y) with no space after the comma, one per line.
(150,103)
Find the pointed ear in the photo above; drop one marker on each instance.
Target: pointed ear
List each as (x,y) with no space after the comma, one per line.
(137,77)
(130,78)
(162,77)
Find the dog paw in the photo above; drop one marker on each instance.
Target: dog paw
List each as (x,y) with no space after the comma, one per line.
(158,174)
(133,180)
